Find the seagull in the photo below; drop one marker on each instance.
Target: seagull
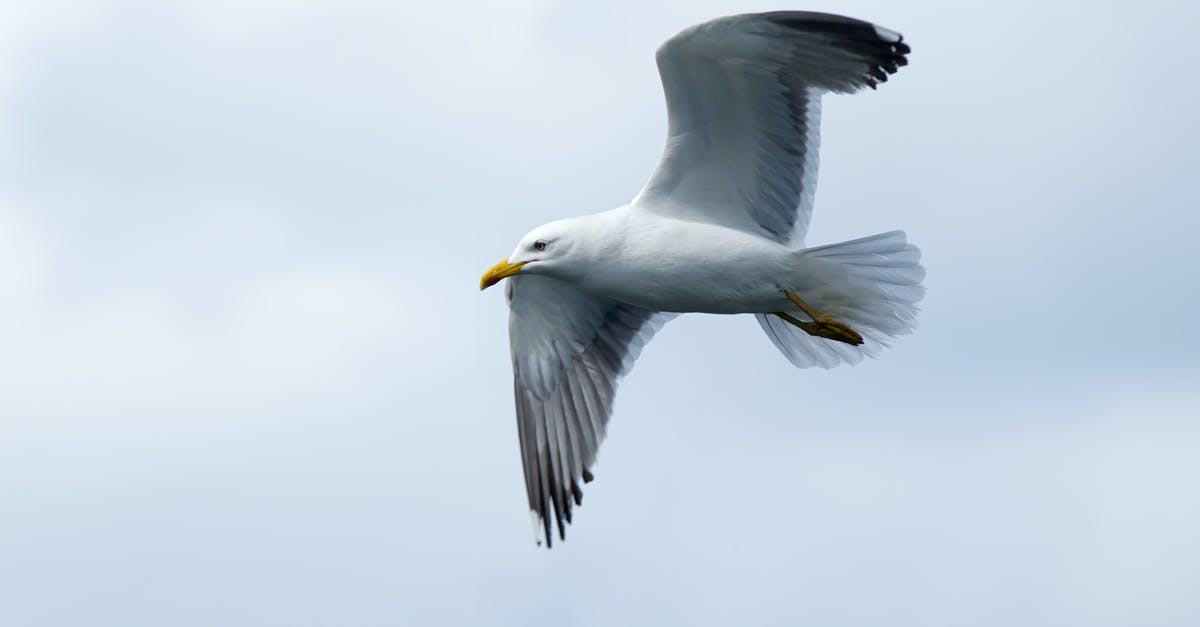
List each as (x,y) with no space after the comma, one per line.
(719,229)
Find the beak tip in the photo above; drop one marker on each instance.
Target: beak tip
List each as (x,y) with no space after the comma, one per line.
(498,272)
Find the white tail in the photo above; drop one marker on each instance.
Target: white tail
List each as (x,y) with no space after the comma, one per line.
(872,284)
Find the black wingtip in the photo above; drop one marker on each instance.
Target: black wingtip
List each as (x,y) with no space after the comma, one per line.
(562,514)
(815,20)
(881,49)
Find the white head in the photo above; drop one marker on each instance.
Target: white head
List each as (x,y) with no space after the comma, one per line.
(552,249)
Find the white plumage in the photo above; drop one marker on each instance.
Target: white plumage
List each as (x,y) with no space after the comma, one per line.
(719,228)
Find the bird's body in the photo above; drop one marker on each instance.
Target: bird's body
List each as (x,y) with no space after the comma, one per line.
(729,271)
(718,228)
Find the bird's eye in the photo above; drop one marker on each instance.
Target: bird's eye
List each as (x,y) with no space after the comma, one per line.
(540,245)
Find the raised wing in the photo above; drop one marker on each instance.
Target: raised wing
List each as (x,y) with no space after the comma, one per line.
(568,350)
(744,107)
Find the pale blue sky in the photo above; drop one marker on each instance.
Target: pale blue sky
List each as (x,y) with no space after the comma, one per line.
(246,376)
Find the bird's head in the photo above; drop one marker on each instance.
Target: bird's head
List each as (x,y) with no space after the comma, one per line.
(549,249)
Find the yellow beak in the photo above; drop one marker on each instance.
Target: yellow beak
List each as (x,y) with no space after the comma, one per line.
(499,271)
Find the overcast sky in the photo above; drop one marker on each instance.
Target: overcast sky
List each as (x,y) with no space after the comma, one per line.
(247,378)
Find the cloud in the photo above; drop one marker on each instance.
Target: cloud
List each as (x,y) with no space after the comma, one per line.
(245,358)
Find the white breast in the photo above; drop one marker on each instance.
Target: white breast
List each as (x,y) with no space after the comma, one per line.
(667,264)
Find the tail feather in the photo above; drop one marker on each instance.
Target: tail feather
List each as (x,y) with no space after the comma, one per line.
(872,284)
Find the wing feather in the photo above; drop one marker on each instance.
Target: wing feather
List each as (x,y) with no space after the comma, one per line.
(744,112)
(568,348)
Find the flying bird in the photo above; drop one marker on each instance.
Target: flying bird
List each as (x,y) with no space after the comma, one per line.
(719,228)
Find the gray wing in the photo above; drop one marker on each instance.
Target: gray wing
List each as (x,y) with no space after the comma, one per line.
(744,107)
(568,350)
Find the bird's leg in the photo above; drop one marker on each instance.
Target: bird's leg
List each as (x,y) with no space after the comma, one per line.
(822,325)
